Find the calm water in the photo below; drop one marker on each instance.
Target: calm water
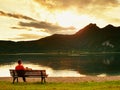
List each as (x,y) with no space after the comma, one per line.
(64,65)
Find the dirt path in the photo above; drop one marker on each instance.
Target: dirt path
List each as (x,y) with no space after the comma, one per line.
(68,79)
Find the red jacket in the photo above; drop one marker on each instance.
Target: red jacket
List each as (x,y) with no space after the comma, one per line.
(19,67)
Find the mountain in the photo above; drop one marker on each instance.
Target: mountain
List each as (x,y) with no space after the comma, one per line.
(90,38)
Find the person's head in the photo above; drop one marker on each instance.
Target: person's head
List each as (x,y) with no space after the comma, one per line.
(19,61)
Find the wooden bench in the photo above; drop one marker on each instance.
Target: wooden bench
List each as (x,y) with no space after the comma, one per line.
(29,73)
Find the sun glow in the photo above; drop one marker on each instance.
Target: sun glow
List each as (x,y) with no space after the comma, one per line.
(66,18)
(69,18)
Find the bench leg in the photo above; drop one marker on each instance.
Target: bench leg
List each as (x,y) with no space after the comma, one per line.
(17,79)
(14,79)
(43,80)
(24,79)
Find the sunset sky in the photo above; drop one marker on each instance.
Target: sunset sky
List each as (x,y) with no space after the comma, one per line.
(22,20)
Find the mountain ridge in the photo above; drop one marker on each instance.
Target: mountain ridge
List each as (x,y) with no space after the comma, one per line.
(90,38)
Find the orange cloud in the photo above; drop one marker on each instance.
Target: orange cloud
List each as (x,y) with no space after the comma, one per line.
(18,16)
(80,4)
(23,37)
(86,7)
(46,26)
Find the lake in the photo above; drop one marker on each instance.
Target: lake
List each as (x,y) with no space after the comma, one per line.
(64,65)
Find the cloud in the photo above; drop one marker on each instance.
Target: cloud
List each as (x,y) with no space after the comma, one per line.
(45,25)
(30,36)
(48,27)
(26,37)
(80,4)
(87,7)
(18,16)
(19,28)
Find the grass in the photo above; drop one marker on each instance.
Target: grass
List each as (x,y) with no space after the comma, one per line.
(109,85)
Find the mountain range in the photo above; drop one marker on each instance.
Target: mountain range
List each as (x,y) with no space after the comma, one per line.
(89,39)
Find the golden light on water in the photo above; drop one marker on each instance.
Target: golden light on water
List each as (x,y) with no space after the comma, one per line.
(4,71)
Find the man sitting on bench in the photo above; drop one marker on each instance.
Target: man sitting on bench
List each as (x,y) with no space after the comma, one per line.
(20,70)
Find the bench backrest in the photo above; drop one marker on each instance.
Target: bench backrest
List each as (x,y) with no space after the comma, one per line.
(27,72)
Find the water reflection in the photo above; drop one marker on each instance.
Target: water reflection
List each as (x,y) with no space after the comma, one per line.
(4,70)
(64,65)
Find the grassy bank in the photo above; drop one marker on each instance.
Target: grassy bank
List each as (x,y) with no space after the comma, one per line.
(109,85)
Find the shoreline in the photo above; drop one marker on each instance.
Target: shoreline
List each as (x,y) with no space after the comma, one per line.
(68,79)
